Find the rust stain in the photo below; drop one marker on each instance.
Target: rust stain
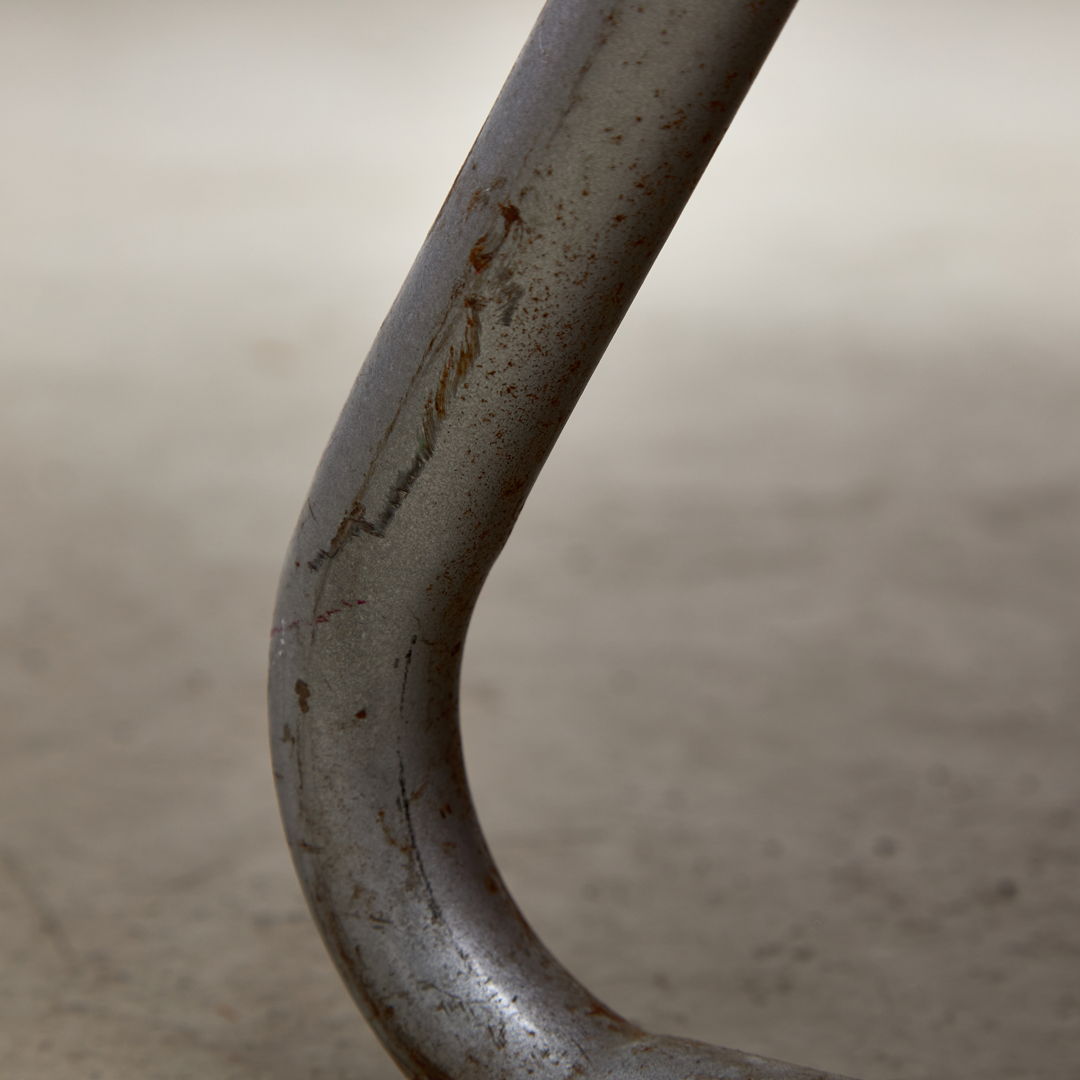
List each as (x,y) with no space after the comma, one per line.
(480,258)
(677,121)
(511,216)
(388,833)
(459,360)
(459,357)
(303,694)
(477,197)
(615,1021)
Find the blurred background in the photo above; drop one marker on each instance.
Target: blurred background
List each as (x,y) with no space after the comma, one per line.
(771,702)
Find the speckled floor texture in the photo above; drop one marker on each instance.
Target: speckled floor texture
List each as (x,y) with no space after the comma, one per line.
(772,701)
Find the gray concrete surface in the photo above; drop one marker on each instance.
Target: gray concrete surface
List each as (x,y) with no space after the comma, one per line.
(772,700)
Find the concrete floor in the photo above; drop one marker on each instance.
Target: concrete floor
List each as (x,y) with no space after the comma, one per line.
(771,702)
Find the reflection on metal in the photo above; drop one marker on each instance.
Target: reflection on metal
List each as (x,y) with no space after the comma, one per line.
(596,141)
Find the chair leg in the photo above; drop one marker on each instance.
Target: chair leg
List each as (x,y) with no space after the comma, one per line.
(590,152)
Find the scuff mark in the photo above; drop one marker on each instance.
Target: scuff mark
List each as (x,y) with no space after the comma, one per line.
(405,679)
(404,801)
(514,293)
(460,356)
(406,810)
(322,617)
(459,361)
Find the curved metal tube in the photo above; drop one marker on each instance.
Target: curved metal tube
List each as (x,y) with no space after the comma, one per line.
(596,141)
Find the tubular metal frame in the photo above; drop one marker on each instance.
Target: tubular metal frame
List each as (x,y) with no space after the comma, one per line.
(604,126)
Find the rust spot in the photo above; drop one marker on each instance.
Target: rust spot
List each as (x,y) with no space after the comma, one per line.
(598,1008)
(615,1021)
(511,215)
(480,258)
(459,361)
(391,839)
(475,200)
(361,715)
(677,121)
(303,694)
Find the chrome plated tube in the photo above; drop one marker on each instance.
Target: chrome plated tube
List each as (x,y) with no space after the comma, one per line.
(596,141)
